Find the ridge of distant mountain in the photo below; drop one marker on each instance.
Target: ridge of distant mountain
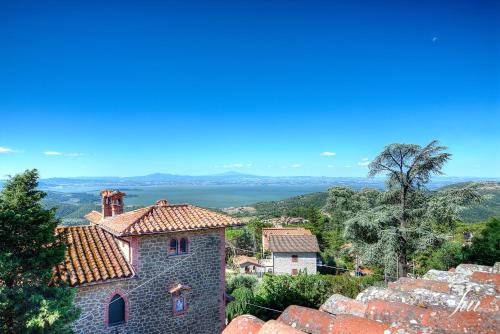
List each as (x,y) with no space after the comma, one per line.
(229,178)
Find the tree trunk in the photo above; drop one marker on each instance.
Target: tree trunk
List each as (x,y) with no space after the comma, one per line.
(402,264)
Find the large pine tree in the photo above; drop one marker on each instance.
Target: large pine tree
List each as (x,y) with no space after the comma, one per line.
(30,302)
(390,227)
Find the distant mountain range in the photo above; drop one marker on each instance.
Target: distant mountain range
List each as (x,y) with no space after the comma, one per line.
(229,178)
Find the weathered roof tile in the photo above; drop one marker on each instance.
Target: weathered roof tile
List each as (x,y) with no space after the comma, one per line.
(307,320)
(338,304)
(247,324)
(92,256)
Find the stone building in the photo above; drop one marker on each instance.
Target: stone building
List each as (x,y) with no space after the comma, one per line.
(292,250)
(158,269)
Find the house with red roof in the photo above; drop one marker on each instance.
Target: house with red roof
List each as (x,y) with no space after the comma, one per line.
(157,269)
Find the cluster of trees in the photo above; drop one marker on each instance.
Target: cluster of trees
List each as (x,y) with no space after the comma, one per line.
(394,228)
(484,249)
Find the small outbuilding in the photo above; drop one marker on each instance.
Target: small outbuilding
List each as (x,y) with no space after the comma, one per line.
(246,264)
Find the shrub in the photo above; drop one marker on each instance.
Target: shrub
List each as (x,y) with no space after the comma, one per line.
(242,304)
(240,280)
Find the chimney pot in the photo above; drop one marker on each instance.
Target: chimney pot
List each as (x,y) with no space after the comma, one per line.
(112,202)
(162,202)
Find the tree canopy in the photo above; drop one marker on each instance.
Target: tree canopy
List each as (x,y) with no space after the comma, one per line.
(389,227)
(30,301)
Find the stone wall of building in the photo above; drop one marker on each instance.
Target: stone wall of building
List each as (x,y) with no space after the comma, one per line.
(149,300)
(282,262)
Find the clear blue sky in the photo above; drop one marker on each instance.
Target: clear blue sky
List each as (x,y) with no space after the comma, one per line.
(130,88)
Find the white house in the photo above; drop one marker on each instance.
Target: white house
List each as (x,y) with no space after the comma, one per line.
(294,253)
(292,250)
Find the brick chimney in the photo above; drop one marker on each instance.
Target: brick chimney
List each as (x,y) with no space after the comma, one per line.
(112,203)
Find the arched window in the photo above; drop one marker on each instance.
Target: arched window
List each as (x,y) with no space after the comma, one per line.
(172,250)
(116,310)
(183,247)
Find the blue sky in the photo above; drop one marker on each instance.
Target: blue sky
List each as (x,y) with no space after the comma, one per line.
(130,88)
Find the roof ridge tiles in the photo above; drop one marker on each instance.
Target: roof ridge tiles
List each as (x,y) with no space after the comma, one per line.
(164,219)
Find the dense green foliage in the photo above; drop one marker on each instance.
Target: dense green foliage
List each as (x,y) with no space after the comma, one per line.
(243,303)
(245,240)
(485,248)
(234,282)
(279,291)
(30,302)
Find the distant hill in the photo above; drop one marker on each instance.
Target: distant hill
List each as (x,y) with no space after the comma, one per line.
(75,184)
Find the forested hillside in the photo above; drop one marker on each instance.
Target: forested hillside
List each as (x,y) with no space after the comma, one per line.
(284,207)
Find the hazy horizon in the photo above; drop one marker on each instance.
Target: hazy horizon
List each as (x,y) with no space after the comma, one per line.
(236,173)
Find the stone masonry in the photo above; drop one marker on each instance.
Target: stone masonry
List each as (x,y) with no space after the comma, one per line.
(148,298)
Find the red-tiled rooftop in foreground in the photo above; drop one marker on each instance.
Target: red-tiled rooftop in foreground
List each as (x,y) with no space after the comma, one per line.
(92,256)
(407,306)
(161,218)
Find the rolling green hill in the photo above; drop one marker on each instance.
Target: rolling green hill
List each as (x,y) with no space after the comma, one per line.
(279,208)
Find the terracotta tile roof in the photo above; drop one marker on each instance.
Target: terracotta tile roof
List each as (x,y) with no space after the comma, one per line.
(293,243)
(267,232)
(464,301)
(93,216)
(162,217)
(240,259)
(92,256)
